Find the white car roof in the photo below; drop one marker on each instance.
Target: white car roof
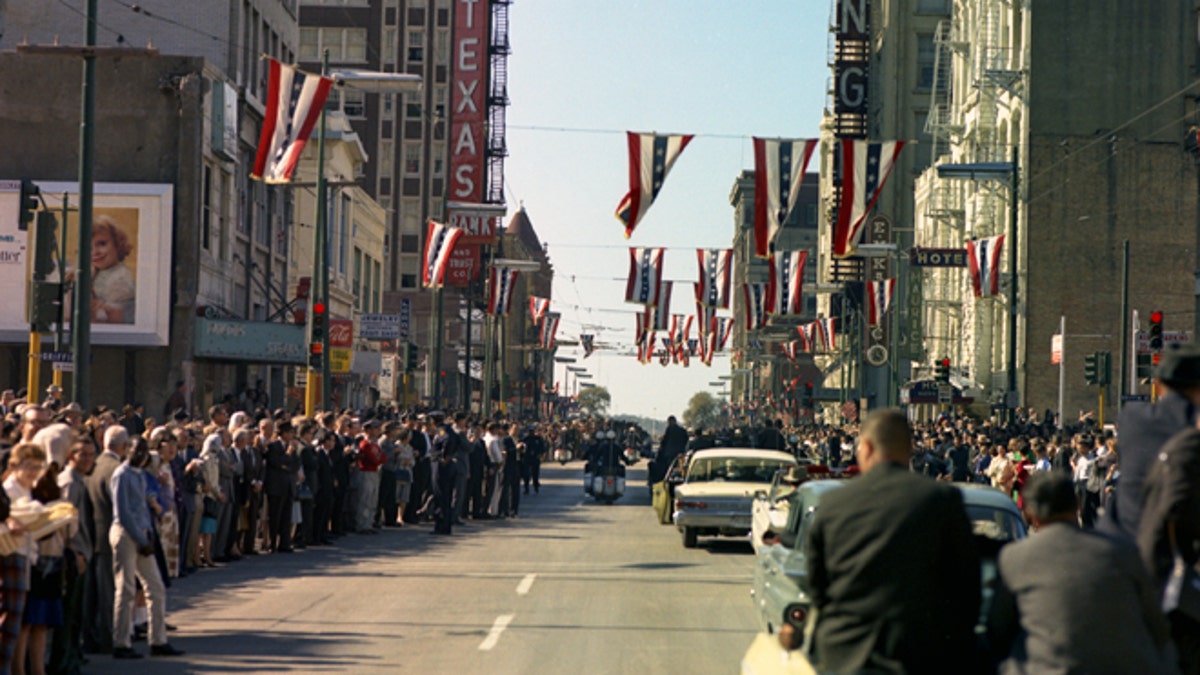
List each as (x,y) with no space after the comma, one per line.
(743,453)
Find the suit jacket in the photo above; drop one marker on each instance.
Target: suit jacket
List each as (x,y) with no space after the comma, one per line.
(74,490)
(253,468)
(1071,601)
(99,489)
(1145,428)
(893,574)
(324,476)
(1172,490)
(281,470)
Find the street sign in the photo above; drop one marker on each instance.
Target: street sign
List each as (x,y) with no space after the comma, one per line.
(405,315)
(1055,350)
(57,357)
(1169,337)
(1135,398)
(64,366)
(379,326)
(945,393)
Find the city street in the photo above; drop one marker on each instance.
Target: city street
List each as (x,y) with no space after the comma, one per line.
(570,586)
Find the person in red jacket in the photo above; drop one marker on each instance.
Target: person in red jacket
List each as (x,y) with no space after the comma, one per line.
(370,459)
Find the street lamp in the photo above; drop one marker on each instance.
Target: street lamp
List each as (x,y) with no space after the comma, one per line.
(1009,174)
(369,82)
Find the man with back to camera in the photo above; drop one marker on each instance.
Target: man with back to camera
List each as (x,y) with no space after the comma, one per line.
(892,568)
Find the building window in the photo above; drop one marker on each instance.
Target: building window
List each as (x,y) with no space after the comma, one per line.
(441,47)
(933,6)
(410,243)
(412,159)
(356,285)
(344,44)
(389,43)
(376,284)
(354,103)
(386,152)
(437,166)
(926,55)
(412,110)
(416,46)
(408,280)
(410,222)
(206,211)
(439,102)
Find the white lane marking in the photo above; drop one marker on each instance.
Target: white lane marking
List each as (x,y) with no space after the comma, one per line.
(493,635)
(526,584)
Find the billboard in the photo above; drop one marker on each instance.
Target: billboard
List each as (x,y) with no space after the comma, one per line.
(132,229)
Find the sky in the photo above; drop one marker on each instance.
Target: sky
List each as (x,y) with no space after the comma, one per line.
(581,73)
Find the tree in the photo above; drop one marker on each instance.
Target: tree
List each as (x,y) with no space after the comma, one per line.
(594,400)
(702,411)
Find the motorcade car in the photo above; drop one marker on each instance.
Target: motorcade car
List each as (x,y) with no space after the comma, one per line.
(718,489)
(780,566)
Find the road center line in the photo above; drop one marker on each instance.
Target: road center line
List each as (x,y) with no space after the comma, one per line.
(526,584)
(493,635)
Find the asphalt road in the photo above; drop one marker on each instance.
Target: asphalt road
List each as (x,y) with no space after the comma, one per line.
(569,587)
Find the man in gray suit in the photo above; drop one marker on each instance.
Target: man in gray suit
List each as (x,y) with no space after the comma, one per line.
(1074,601)
(892,570)
(99,488)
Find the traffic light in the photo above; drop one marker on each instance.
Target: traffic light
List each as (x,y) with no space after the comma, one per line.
(44,247)
(1103,368)
(316,336)
(28,204)
(1156,331)
(1091,368)
(410,357)
(943,370)
(808,400)
(44,301)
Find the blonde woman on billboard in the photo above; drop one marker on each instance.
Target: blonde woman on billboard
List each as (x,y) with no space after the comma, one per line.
(113,287)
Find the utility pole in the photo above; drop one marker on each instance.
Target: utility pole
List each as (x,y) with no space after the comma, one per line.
(81,323)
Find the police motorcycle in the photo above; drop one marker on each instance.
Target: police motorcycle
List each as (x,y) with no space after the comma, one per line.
(604,473)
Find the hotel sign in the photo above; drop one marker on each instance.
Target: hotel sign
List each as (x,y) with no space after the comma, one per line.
(938,257)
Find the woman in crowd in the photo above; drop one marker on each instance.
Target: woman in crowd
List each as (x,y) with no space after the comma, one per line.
(405,458)
(163,452)
(41,596)
(210,455)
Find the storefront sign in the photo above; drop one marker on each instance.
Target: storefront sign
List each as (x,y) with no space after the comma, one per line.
(463,266)
(938,257)
(256,341)
(341,333)
(379,326)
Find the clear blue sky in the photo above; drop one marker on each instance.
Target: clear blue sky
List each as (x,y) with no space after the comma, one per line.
(724,71)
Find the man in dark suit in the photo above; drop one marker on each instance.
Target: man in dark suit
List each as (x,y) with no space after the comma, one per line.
(324,495)
(253,472)
(673,443)
(1146,427)
(892,568)
(282,463)
(1074,601)
(98,632)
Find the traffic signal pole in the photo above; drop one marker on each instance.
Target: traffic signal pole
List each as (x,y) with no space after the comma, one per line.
(320,277)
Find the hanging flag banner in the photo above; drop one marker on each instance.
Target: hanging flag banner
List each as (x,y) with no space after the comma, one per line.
(549,329)
(645,275)
(726,331)
(779,168)
(589,344)
(439,243)
(715,266)
(538,308)
(983,259)
(879,299)
(709,347)
(294,103)
(662,308)
(664,357)
(705,315)
(786,274)
(808,336)
(825,335)
(651,156)
(500,290)
(865,168)
(756,305)
(789,350)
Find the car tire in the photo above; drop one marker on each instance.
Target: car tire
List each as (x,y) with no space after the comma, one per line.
(689,537)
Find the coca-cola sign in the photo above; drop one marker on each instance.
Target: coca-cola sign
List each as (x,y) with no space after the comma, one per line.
(341,333)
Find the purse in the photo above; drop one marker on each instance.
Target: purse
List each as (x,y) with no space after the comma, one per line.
(1182,591)
(212,508)
(304,493)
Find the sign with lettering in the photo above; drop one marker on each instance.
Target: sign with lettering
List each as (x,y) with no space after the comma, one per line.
(1169,337)
(468,99)
(258,341)
(340,360)
(405,316)
(463,266)
(478,227)
(341,333)
(938,257)
(379,326)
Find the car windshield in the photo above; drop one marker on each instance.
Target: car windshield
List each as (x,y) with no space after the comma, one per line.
(741,469)
(995,524)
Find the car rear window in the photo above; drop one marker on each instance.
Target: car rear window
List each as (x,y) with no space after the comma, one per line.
(741,470)
(995,524)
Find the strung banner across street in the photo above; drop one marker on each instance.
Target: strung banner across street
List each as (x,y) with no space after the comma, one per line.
(786,273)
(865,168)
(779,168)
(716,265)
(645,275)
(651,157)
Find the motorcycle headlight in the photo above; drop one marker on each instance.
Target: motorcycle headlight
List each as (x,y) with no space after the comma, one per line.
(610,435)
(599,435)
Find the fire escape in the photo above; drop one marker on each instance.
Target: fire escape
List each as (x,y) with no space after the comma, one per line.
(497,102)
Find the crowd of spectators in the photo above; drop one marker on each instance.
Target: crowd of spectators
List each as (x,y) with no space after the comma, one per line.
(159,500)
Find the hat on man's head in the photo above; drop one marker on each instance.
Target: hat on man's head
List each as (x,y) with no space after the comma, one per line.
(284,427)
(1180,365)
(54,389)
(371,423)
(73,407)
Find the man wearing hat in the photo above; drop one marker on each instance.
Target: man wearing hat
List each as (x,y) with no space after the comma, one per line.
(282,462)
(1146,427)
(53,397)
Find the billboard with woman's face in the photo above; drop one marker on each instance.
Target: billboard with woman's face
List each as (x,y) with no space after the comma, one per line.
(130,262)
